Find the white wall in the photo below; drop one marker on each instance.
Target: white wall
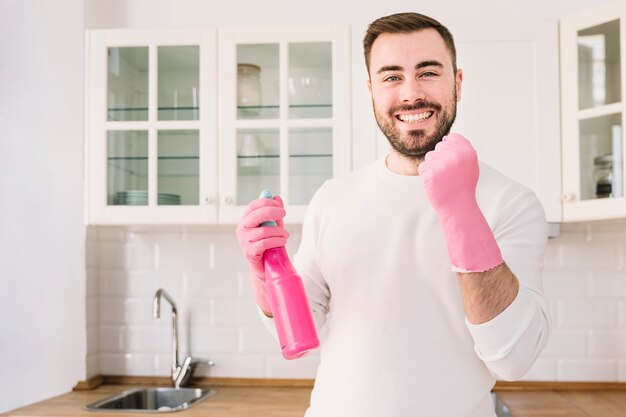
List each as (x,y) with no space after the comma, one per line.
(42,273)
(199,13)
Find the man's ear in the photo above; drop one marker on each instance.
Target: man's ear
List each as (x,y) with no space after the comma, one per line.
(458,81)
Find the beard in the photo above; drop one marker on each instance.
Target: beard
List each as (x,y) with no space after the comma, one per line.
(414,144)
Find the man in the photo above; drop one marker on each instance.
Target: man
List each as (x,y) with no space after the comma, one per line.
(426,265)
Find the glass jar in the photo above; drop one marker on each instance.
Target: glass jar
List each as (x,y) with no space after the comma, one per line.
(603,175)
(249,88)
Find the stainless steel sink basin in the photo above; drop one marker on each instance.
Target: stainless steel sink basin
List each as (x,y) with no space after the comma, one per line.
(150,400)
(501,409)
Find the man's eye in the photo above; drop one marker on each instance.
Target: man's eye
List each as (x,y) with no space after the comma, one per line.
(429,74)
(392,78)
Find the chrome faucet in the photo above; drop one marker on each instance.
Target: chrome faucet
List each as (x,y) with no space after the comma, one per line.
(180,372)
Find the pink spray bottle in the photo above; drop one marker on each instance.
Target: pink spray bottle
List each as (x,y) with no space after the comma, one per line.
(292,315)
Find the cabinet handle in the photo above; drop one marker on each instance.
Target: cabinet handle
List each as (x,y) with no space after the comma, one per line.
(567,197)
(208,201)
(227,201)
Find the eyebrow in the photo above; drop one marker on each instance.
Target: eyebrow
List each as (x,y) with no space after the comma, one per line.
(419,65)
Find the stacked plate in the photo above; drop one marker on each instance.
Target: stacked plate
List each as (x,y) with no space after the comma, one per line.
(164,199)
(140,198)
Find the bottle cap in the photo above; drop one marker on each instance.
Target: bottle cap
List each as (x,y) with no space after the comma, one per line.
(267,193)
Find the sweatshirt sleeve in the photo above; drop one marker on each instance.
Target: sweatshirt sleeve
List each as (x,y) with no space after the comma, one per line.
(510,343)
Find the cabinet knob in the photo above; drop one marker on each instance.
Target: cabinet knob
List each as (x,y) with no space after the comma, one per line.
(228,200)
(208,200)
(567,197)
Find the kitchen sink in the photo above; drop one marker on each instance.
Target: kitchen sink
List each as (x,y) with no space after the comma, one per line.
(150,400)
(501,409)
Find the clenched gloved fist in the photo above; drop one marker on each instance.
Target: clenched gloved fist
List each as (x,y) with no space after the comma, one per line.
(450,174)
(254,240)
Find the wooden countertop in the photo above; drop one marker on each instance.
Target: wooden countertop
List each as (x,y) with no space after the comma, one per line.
(269,401)
(565,403)
(228,402)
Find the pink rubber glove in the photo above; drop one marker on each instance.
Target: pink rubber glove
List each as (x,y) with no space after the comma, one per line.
(450,175)
(255,240)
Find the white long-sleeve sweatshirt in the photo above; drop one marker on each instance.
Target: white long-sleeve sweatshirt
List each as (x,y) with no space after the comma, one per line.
(376,270)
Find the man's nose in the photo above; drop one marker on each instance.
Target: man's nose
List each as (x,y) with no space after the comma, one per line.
(411,91)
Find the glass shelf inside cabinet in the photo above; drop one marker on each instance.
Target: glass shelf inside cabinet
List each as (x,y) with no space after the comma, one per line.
(269,112)
(177,180)
(165,113)
(278,156)
(140,167)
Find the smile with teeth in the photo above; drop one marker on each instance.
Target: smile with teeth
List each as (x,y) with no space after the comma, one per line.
(414,118)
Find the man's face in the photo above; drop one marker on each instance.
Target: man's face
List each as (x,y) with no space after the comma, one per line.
(414,90)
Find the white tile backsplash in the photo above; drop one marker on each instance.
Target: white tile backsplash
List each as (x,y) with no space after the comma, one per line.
(136,364)
(233,365)
(206,274)
(257,340)
(207,340)
(171,256)
(607,284)
(590,369)
(587,313)
(567,344)
(565,283)
(544,369)
(607,344)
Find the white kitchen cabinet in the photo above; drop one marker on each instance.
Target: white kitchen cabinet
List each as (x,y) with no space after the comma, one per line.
(593,75)
(179,133)
(151,126)
(509,106)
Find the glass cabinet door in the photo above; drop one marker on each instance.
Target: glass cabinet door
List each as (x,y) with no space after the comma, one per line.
(308,91)
(150,108)
(283,130)
(592,112)
(600,118)
(177,150)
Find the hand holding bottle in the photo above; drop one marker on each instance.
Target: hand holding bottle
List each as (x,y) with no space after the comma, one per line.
(255,240)
(288,301)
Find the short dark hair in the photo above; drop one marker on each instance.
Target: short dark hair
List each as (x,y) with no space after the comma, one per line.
(405,23)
